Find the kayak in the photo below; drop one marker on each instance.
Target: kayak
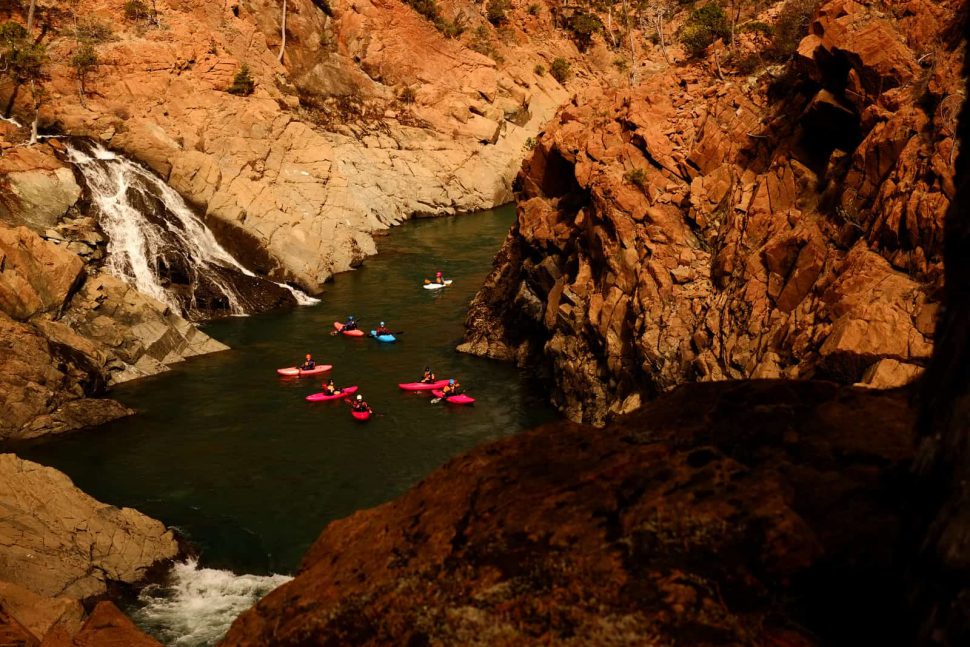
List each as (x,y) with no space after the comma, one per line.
(321,397)
(299,372)
(461,398)
(384,338)
(437,286)
(350,333)
(423,386)
(360,415)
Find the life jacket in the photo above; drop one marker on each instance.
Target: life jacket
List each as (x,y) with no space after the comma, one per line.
(308,365)
(330,389)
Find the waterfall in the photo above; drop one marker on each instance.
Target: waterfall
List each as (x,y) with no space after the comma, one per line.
(159,246)
(195,607)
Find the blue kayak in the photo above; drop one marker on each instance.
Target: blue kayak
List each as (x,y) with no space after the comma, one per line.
(384,338)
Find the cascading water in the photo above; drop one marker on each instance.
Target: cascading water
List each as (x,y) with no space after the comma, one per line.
(197,605)
(159,246)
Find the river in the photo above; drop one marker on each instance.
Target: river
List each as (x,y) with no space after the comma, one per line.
(250,473)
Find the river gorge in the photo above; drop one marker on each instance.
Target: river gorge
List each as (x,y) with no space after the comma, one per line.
(709,294)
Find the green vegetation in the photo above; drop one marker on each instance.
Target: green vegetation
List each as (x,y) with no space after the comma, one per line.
(21,59)
(791,25)
(530,143)
(582,27)
(533,9)
(704,25)
(137,11)
(93,31)
(429,9)
(636,176)
(560,69)
(757,27)
(539,69)
(243,83)
(495,13)
(84,60)
(407,95)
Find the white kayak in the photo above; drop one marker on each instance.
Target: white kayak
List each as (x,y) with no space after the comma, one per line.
(437,286)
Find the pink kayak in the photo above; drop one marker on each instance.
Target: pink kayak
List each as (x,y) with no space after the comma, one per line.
(322,397)
(360,415)
(350,333)
(423,386)
(299,372)
(461,398)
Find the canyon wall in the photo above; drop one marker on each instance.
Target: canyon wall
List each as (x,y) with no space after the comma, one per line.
(371,117)
(706,227)
(728,513)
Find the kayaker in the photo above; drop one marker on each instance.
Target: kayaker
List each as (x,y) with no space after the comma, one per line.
(360,405)
(350,324)
(428,376)
(439,279)
(309,364)
(330,389)
(383,330)
(452,388)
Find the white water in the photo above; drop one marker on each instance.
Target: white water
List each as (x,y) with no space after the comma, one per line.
(136,241)
(198,605)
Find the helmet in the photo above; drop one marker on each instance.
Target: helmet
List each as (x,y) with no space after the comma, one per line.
(359,398)
(427,368)
(330,381)
(382,323)
(351,317)
(438,274)
(451,382)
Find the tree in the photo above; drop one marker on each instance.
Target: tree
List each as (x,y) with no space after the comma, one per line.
(23,60)
(243,83)
(283,40)
(30,16)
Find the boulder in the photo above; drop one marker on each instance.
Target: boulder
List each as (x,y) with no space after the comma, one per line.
(38,614)
(107,626)
(39,188)
(35,275)
(57,541)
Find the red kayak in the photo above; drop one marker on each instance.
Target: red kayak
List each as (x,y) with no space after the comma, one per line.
(342,393)
(461,398)
(299,372)
(423,386)
(350,333)
(360,415)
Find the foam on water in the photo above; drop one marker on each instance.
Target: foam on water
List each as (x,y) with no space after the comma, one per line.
(197,605)
(122,191)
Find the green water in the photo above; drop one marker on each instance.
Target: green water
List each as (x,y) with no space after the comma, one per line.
(247,470)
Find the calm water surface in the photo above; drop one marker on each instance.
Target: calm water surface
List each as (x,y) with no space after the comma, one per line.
(247,470)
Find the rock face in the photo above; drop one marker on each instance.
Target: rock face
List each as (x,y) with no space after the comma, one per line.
(372,117)
(690,521)
(694,229)
(107,626)
(57,541)
(937,550)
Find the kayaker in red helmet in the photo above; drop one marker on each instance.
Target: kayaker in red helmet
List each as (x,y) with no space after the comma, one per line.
(309,364)
(438,278)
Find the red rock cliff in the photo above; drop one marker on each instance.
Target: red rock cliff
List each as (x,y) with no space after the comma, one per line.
(694,228)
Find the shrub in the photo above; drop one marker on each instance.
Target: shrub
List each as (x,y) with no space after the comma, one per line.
(529,144)
(243,83)
(560,69)
(429,9)
(583,26)
(636,176)
(93,31)
(21,58)
(791,25)
(495,13)
(136,10)
(620,64)
(533,9)
(758,27)
(539,69)
(703,27)
(407,95)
